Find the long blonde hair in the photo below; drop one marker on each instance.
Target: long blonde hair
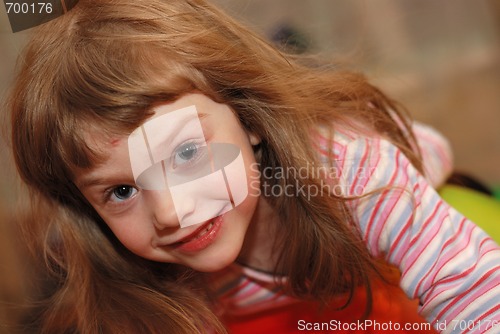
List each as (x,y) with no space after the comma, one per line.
(102,65)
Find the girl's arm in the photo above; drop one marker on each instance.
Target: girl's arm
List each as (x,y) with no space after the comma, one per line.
(445,260)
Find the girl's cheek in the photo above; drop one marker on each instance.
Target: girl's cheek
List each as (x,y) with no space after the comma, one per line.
(133,238)
(128,226)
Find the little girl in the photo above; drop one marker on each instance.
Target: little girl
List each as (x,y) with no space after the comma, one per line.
(183,171)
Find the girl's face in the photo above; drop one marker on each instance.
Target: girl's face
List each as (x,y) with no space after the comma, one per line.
(170,192)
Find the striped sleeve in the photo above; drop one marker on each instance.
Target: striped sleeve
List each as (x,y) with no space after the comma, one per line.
(446,261)
(436,150)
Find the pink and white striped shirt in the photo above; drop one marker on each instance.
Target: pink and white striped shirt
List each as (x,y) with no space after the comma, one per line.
(445,260)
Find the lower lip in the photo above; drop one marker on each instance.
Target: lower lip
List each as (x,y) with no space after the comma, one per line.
(198,244)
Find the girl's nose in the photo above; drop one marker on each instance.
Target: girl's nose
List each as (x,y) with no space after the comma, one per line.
(164,214)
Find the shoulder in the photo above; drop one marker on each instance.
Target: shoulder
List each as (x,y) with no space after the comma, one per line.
(359,162)
(354,152)
(339,141)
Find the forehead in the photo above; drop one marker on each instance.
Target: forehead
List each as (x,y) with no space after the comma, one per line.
(97,133)
(166,120)
(172,117)
(202,102)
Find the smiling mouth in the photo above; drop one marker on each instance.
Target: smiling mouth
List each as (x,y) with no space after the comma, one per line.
(201,238)
(198,233)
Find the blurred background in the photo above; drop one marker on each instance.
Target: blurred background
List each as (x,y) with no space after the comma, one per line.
(441,59)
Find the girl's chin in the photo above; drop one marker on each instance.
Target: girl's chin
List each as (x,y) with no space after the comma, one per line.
(215,262)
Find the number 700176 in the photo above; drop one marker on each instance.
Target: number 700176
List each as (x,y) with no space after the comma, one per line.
(29,8)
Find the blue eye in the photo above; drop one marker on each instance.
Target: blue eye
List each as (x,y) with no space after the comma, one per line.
(185,153)
(123,193)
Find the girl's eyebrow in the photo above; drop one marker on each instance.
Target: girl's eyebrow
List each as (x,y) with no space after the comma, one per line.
(91,181)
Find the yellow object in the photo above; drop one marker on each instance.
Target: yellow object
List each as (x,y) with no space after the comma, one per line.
(480,208)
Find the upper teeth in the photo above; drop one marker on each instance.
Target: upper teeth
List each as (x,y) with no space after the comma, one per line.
(202,232)
(207,229)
